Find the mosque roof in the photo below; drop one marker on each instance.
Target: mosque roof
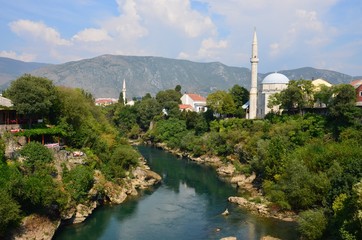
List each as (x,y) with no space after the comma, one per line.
(275,78)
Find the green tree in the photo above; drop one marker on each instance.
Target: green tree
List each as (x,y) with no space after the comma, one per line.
(324,95)
(9,212)
(178,88)
(342,109)
(78,181)
(221,102)
(146,110)
(312,224)
(240,96)
(298,95)
(169,95)
(32,96)
(36,157)
(122,159)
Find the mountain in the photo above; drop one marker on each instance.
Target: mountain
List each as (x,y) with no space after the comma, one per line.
(312,73)
(103,76)
(11,69)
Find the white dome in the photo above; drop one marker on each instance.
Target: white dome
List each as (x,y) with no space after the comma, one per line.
(275,78)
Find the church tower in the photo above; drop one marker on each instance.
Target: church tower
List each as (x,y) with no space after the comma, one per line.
(254,78)
(124,91)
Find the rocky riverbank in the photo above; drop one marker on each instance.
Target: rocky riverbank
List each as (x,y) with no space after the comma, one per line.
(255,203)
(36,227)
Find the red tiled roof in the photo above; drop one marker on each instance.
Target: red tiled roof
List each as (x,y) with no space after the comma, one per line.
(356,83)
(196,97)
(185,106)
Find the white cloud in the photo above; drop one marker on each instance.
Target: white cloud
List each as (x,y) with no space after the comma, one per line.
(289,32)
(38,31)
(210,48)
(309,20)
(26,57)
(92,35)
(128,24)
(178,14)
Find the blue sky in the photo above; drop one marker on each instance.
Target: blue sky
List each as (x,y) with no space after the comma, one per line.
(291,33)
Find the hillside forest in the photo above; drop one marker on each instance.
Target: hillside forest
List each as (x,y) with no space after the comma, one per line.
(34,180)
(305,160)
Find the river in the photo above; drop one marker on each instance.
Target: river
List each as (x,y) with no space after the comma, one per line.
(187,204)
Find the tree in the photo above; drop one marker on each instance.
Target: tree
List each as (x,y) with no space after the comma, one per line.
(298,95)
(147,109)
(120,98)
(32,96)
(178,88)
(78,181)
(240,96)
(221,102)
(324,95)
(9,211)
(312,224)
(169,95)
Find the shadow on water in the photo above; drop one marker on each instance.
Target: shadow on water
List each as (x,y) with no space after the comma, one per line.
(186,205)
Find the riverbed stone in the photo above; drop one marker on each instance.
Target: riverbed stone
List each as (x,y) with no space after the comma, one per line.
(226,170)
(228,238)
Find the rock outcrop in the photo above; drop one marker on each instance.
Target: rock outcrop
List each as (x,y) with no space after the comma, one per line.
(36,227)
(263,209)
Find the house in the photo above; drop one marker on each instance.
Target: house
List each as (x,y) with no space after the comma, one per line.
(357,84)
(105,101)
(197,102)
(7,113)
(185,107)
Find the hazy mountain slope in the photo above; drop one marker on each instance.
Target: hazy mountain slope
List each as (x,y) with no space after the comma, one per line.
(11,69)
(313,73)
(103,75)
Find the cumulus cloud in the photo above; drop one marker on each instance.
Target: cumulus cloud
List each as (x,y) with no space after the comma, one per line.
(38,31)
(288,31)
(26,57)
(92,35)
(178,14)
(128,24)
(210,47)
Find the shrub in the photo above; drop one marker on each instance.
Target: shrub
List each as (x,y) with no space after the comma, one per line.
(78,182)
(312,223)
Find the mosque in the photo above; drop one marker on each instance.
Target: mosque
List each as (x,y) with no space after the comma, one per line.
(271,84)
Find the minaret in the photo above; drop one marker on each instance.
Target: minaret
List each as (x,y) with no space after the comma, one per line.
(254,79)
(124,91)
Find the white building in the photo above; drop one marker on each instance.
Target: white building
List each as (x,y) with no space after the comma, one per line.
(196,102)
(273,83)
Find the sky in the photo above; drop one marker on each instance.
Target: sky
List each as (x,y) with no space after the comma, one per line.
(324,34)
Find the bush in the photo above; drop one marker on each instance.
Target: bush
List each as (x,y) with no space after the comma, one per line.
(9,211)
(78,182)
(312,223)
(36,158)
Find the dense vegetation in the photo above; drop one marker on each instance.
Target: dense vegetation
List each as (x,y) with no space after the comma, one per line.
(34,181)
(308,162)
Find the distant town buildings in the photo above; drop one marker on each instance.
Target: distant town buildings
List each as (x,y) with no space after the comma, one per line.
(105,101)
(193,102)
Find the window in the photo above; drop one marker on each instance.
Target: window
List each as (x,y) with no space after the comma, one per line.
(360,93)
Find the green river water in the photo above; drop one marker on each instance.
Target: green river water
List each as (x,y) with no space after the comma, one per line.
(187,204)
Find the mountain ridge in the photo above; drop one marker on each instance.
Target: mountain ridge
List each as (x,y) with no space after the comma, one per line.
(103,75)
